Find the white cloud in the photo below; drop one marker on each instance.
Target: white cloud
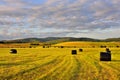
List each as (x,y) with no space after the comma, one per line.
(63,18)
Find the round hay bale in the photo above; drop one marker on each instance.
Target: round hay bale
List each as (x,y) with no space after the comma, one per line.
(81,50)
(108,51)
(13,51)
(105,56)
(74,52)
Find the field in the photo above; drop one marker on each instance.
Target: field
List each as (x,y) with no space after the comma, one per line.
(58,64)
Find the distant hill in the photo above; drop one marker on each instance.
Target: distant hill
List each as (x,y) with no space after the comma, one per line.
(113,39)
(58,40)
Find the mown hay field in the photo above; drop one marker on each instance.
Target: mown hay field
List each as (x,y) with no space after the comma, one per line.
(90,44)
(58,64)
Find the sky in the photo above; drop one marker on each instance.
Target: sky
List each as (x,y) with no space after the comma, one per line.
(99,19)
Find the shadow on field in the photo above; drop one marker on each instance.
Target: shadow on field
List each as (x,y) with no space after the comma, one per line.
(115,60)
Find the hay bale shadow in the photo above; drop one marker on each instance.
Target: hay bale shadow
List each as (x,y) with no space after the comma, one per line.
(115,60)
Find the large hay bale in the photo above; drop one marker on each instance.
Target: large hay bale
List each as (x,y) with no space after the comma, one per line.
(62,46)
(105,56)
(107,50)
(13,51)
(74,51)
(80,50)
(117,46)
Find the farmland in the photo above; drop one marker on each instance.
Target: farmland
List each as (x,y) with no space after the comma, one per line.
(58,64)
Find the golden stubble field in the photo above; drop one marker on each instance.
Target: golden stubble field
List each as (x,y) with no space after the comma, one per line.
(58,64)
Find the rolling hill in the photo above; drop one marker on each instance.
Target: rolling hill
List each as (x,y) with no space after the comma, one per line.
(58,40)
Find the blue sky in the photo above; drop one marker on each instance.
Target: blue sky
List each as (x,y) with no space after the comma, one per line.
(59,18)
(35,2)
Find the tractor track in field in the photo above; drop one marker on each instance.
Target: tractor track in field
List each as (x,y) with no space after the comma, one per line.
(67,70)
(23,62)
(62,70)
(104,66)
(55,72)
(96,63)
(77,68)
(87,70)
(107,63)
(7,68)
(11,77)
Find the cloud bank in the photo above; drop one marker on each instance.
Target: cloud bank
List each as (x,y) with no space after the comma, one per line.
(57,18)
